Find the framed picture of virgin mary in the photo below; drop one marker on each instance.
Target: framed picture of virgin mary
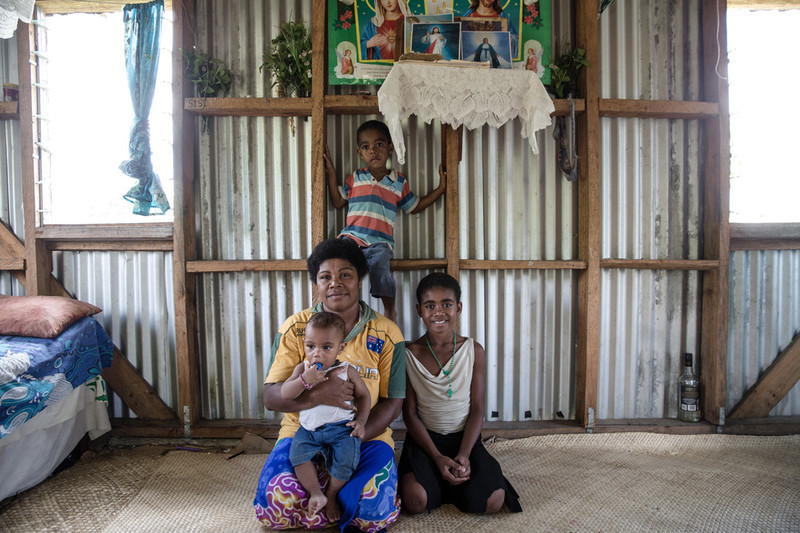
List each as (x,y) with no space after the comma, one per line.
(373,33)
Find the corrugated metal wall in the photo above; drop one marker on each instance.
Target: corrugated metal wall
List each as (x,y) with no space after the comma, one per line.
(650,207)
(135,292)
(764,316)
(254,192)
(10,165)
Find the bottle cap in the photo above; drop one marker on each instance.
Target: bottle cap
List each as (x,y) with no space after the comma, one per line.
(687,359)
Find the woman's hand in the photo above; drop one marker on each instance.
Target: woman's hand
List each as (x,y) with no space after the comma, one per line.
(336,392)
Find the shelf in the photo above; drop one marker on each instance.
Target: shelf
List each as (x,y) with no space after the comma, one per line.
(352,104)
(676,109)
(9,110)
(159,231)
(348,104)
(248,107)
(661,264)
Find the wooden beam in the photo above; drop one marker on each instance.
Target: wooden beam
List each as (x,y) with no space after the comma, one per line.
(765,244)
(452,161)
(352,104)
(674,109)
(106,232)
(765,231)
(760,236)
(367,104)
(111,246)
(319,122)
(715,187)
(37,259)
(10,263)
(86,6)
(248,107)
(252,265)
(589,217)
(660,264)
(134,390)
(771,386)
(493,264)
(188,363)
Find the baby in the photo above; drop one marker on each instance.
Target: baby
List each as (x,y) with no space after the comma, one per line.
(326,429)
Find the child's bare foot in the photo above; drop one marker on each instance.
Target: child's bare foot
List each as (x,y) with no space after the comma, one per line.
(316,502)
(332,510)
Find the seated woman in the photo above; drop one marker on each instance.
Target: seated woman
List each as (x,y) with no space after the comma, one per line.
(375,345)
(443,458)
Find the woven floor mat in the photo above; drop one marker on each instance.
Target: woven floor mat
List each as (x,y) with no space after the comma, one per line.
(601,482)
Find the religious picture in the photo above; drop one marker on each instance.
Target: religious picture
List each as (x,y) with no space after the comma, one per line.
(493,47)
(533,57)
(525,20)
(381,34)
(483,23)
(438,7)
(413,19)
(365,37)
(436,38)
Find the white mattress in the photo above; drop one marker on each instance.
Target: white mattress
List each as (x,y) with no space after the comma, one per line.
(30,453)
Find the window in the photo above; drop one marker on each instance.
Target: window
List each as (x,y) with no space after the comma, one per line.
(87,114)
(764,115)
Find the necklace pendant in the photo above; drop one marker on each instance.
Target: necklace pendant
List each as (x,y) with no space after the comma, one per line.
(449,393)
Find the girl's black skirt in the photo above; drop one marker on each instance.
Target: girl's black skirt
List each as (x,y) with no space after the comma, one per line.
(470,497)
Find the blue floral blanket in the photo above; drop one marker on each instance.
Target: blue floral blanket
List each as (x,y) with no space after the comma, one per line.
(35,373)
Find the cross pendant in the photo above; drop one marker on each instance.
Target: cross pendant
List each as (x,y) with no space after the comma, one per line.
(449,393)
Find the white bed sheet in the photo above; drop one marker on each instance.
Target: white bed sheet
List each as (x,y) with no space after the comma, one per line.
(29,454)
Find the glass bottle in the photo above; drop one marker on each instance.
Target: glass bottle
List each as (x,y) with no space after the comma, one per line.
(688,392)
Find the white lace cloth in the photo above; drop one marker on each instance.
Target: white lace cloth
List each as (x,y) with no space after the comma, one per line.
(464,96)
(10,11)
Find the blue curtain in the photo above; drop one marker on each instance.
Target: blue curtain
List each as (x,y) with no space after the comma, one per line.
(142,38)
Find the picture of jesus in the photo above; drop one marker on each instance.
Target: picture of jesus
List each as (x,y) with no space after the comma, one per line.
(435,41)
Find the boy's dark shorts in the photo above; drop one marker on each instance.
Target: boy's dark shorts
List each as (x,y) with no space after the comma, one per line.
(381,281)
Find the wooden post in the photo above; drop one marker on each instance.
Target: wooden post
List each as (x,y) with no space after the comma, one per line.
(716,229)
(38,262)
(452,156)
(589,218)
(184,234)
(319,123)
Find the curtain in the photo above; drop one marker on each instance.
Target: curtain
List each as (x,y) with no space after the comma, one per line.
(142,38)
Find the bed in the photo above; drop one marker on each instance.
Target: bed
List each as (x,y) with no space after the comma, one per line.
(51,389)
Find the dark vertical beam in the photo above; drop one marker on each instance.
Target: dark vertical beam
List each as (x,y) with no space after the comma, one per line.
(589,217)
(184,219)
(716,205)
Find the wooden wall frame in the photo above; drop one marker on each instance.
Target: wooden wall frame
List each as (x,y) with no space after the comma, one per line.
(32,262)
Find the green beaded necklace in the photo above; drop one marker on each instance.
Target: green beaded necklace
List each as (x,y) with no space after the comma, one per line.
(452,362)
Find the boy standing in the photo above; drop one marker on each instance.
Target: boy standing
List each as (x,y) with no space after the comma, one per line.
(373,195)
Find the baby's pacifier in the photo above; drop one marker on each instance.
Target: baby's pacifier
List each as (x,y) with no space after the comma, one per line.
(319,366)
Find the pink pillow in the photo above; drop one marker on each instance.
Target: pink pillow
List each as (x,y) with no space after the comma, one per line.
(40,316)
